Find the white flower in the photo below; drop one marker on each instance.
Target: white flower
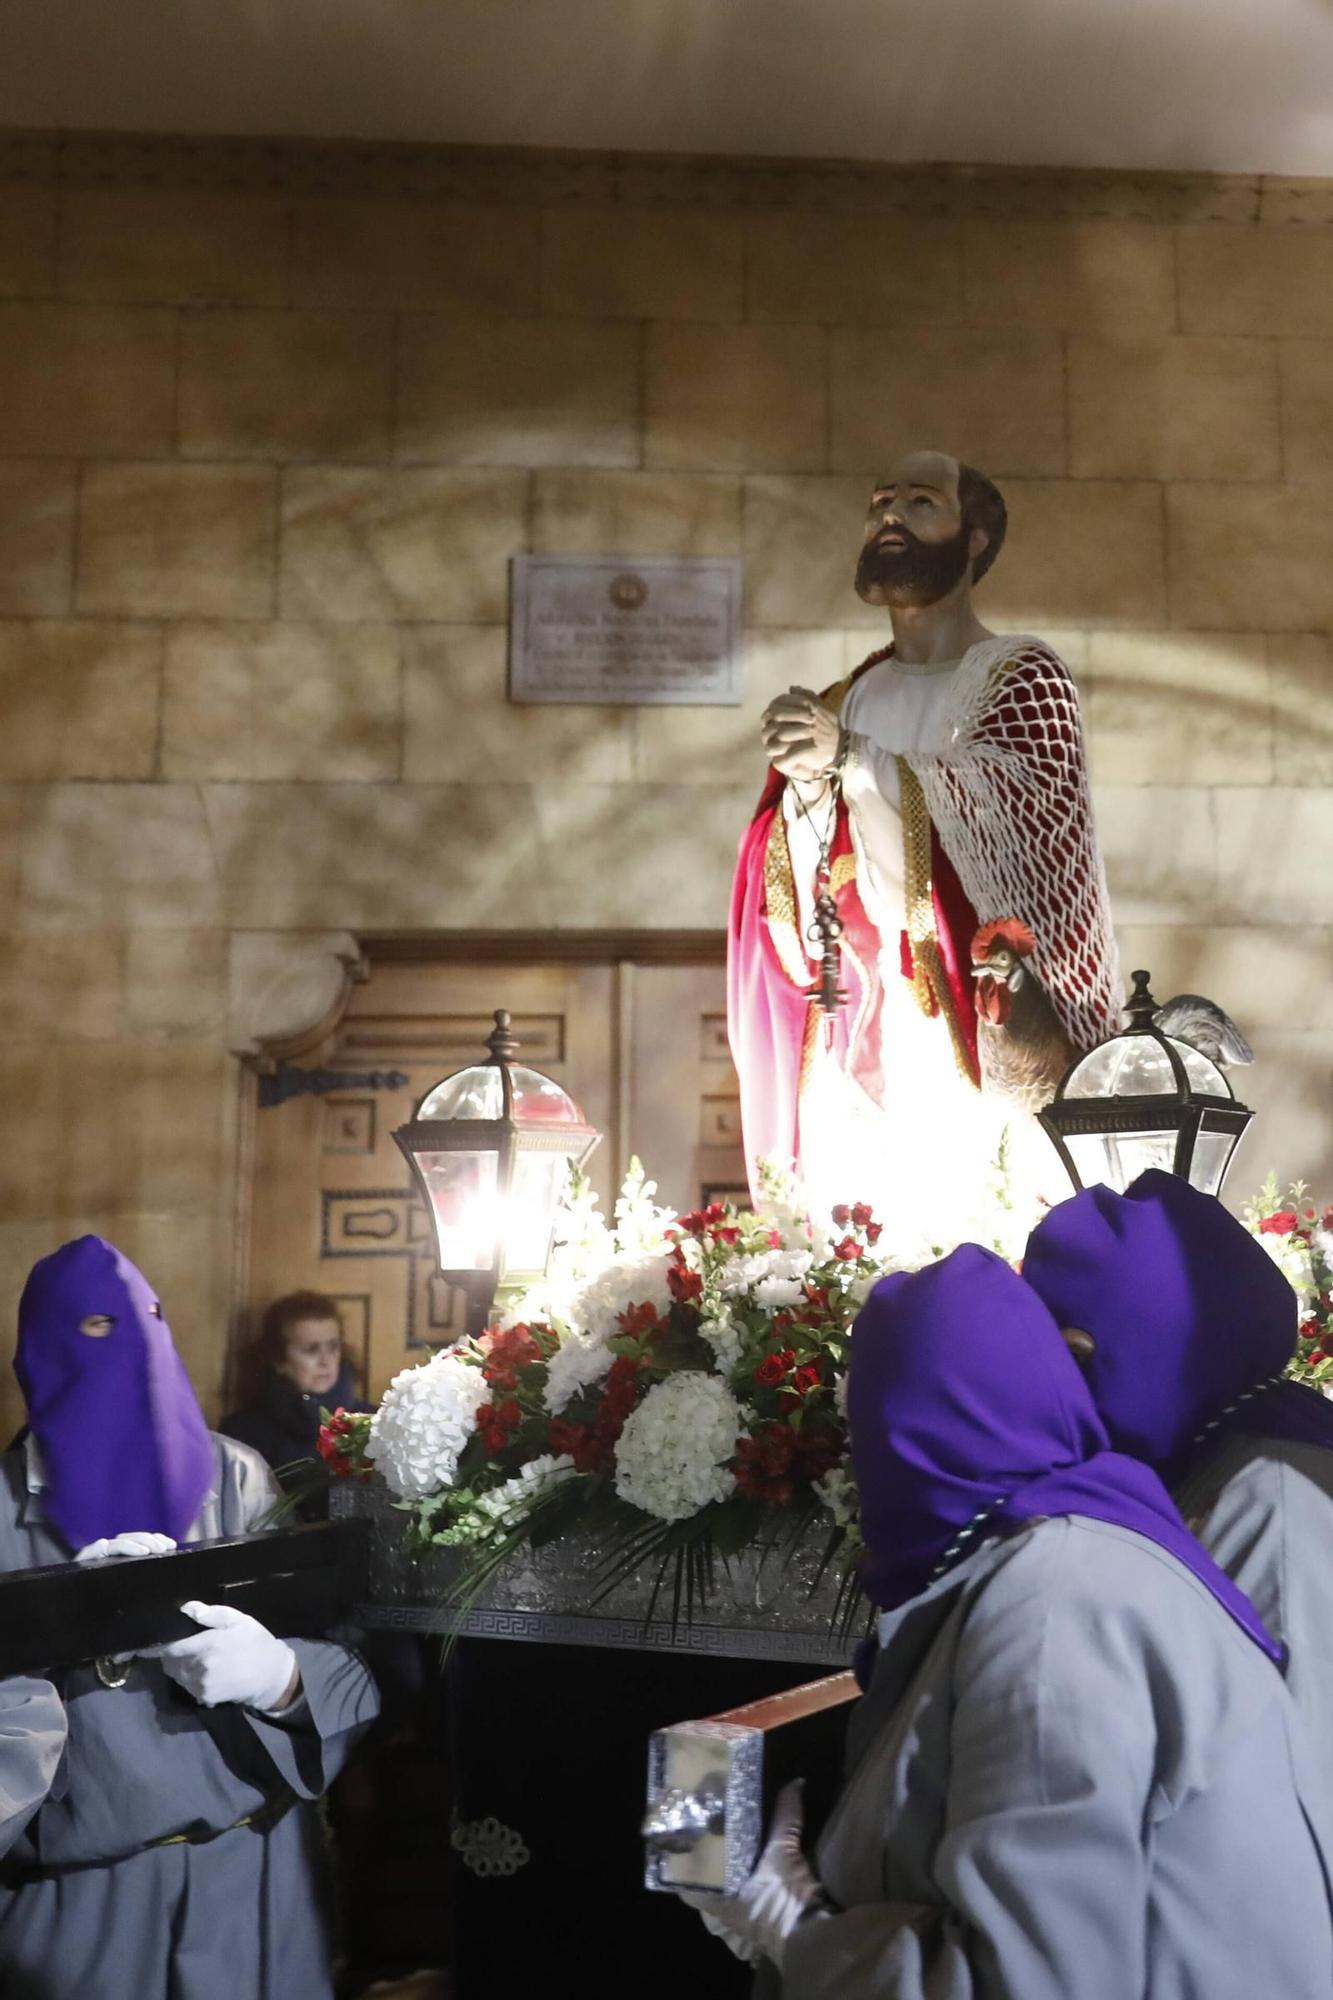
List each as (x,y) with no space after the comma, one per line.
(640,1224)
(670,1460)
(840,1394)
(427,1416)
(505,1506)
(595,1307)
(774,1276)
(723,1336)
(838,1493)
(576,1364)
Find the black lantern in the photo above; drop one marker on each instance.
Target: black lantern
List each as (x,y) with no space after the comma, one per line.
(489,1148)
(1144,1099)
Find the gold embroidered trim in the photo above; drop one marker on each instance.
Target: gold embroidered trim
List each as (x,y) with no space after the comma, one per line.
(780,902)
(930,982)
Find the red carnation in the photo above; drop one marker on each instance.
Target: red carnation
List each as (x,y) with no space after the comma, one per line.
(640,1319)
(683,1283)
(1280,1224)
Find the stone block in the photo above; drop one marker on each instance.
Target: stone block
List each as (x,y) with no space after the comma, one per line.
(1246,556)
(37,511)
(62,986)
(1307,408)
(1179,708)
(415,256)
(177,541)
(13,799)
(844,270)
(736,398)
(720,746)
(993,399)
(288,385)
(1265,975)
(1271,844)
(176,983)
(1300,672)
(1160,850)
(636,513)
(1072,277)
(1245,278)
(1078,552)
(378,857)
(420,543)
(1289,1090)
(643,857)
(173,246)
(282,701)
(624,263)
(116,857)
(27,241)
(86,381)
(79,699)
(802,538)
(1175,408)
(518,392)
(112,1129)
(461,728)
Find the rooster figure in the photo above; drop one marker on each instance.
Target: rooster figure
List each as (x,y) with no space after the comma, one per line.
(1021,1046)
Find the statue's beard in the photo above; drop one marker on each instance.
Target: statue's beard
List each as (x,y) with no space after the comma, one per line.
(918,573)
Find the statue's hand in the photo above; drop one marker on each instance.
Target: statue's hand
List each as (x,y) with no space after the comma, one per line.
(800,734)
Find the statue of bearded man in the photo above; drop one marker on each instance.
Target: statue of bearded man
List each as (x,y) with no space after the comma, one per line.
(942,786)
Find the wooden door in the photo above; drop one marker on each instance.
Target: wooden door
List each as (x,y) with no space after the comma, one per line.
(640,1046)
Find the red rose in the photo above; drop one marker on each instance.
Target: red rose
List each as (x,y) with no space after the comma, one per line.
(862,1214)
(773,1368)
(806,1378)
(848,1250)
(874,1230)
(842,1215)
(1280,1224)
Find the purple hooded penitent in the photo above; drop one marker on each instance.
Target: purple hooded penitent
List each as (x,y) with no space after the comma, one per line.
(963,1397)
(123,1439)
(1187,1311)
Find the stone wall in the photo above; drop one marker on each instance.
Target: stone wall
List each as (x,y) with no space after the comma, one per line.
(273,419)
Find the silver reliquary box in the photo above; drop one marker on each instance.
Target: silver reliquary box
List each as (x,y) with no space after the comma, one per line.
(710,1782)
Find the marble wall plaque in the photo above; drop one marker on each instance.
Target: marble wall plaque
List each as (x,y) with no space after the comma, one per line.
(643,630)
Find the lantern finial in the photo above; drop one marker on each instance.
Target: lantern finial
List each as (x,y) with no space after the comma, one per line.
(502,1042)
(1140,1006)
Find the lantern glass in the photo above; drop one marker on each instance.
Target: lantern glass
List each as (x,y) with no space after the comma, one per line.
(463,1191)
(479,1093)
(1138,1066)
(1212,1157)
(530,1210)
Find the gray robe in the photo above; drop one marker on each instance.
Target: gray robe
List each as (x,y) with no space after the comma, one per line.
(1263,1509)
(32,1742)
(240,1917)
(1073,1777)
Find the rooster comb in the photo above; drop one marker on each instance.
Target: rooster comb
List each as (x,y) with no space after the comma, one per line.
(1005,930)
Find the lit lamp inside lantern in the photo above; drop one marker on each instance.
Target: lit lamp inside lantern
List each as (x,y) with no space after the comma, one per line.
(489,1150)
(1145,1099)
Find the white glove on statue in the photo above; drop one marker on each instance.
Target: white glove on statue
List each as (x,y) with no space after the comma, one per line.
(133,1544)
(234,1658)
(783,1889)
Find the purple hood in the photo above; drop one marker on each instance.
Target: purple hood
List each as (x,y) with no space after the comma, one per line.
(963,1397)
(122,1437)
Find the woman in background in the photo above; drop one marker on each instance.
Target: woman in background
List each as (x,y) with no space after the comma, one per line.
(296,1367)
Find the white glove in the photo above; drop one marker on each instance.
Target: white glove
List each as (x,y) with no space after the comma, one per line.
(764,1912)
(234,1658)
(133,1544)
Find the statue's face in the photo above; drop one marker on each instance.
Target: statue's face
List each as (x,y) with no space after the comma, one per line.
(914,550)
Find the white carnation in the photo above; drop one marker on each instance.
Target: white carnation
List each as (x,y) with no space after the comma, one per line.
(427,1417)
(576,1364)
(594,1308)
(670,1460)
(774,1276)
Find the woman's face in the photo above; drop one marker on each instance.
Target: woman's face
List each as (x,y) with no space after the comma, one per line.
(313,1356)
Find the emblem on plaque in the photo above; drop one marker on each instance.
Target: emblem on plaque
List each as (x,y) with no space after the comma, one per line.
(628,591)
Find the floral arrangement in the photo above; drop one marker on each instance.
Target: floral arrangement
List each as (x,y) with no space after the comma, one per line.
(1297,1232)
(675,1387)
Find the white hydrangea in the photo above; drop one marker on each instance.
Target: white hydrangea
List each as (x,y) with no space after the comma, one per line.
(723,1336)
(576,1364)
(670,1460)
(427,1416)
